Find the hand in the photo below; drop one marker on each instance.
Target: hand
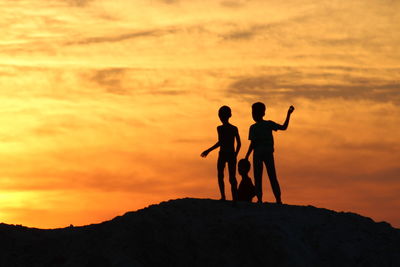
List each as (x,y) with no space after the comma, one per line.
(205,153)
(291,109)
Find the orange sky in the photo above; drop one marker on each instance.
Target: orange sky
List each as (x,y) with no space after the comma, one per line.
(106,105)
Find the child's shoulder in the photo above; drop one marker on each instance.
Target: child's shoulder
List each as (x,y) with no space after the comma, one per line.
(227,126)
(258,124)
(233,126)
(263,123)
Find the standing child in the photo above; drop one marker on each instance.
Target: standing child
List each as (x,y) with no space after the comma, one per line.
(227,133)
(246,190)
(262,142)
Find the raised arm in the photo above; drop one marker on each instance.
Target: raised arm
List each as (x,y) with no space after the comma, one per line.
(286,123)
(205,152)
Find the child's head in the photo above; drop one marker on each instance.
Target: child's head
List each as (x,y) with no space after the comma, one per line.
(244,167)
(224,113)
(258,111)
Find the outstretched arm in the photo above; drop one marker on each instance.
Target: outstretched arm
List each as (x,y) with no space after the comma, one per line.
(251,147)
(286,123)
(205,152)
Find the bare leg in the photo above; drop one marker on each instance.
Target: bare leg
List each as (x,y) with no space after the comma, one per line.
(258,169)
(232,177)
(220,169)
(270,164)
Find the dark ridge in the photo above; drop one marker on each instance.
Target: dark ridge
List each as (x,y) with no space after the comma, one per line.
(204,232)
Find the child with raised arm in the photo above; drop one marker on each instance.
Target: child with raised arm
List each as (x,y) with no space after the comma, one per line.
(262,142)
(227,134)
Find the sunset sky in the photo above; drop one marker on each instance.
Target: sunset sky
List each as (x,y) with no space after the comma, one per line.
(106,105)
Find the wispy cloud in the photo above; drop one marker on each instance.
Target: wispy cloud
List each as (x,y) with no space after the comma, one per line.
(79,3)
(276,29)
(169,1)
(370,146)
(129,81)
(118,38)
(111,79)
(299,83)
(232,4)
(147,33)
(248,32)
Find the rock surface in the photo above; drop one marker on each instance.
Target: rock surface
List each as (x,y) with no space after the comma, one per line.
(204,232)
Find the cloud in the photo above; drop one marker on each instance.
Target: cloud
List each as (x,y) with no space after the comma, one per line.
(168,92)
(169,1)
(79,3)
(240,35)
(370,146)
(232,4)
(339,41)
(246,34)
(297,83)
(158,32)
(111,79)
(126,81)
(117,38)
(334,56)
(139,175)
(276,29)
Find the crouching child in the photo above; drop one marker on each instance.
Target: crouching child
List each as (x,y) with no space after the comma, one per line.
(246,190)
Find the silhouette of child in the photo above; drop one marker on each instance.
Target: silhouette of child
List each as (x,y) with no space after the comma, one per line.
(227,133)
(262,142)
(246,190)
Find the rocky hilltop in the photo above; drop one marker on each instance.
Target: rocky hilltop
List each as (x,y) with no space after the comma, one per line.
(204,232)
